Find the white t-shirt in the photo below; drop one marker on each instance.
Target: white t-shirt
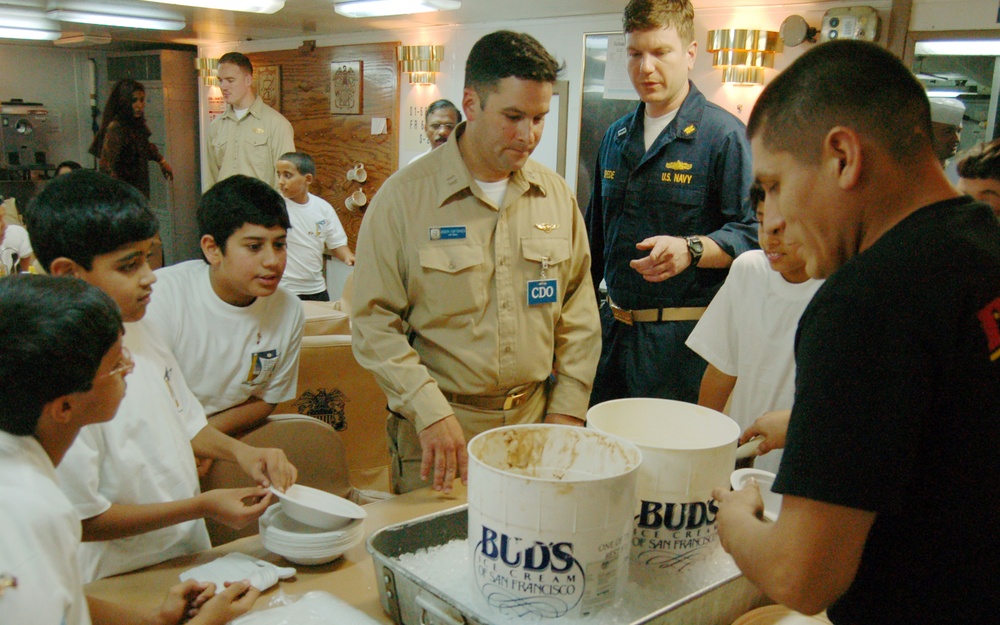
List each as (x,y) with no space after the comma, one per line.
(653,126)
(314,225)
(15,241)
(39,539)
(141,456)
(227,353)
(748,331)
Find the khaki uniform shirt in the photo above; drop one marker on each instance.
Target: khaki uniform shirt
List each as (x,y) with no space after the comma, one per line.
(249,146)
(438,307)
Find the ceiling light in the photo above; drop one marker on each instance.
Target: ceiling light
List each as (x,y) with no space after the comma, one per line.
(247,6)
(945,93)
(121,14)
(18,23)
(989,47)
(378,8)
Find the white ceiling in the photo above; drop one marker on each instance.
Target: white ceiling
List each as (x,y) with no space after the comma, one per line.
(311,18)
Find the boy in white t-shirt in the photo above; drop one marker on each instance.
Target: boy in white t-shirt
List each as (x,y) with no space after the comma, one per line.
(15,247)
(133,480)
(315,226)
(63,366)
(233,330)
(747,335)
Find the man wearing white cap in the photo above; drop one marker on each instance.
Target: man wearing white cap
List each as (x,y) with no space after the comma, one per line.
(946,122)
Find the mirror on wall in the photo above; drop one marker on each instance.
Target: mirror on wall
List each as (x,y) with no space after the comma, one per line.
(965,69)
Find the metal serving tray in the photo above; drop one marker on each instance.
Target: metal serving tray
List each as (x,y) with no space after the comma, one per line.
(410,600)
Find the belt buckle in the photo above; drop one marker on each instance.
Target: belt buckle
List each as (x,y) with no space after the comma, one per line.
(512,401)
(625,316)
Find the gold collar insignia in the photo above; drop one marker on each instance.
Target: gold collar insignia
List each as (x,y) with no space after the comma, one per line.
(690,129)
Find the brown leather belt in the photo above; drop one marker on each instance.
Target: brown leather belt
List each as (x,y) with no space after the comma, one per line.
(514,398)
(651,315)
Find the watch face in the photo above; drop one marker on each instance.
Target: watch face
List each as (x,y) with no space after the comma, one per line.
(695,245)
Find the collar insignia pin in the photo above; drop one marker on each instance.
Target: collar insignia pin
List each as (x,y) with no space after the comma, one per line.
(690,129)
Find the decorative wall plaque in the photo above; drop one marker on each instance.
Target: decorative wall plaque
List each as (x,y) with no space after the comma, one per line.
(267,84)
(345,87)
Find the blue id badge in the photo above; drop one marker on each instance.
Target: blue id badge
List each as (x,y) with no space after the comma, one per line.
(442,233)
(542,292)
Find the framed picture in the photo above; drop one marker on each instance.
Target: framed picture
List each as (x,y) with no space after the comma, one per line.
(346,86)
(267,84)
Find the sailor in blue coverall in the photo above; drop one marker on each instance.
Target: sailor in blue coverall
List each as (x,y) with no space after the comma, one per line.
(693,182)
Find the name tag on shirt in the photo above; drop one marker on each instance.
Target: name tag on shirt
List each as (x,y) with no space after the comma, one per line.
(542,291)
(440,233)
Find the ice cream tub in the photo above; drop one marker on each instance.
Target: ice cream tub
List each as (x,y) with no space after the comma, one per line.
(550,519)
(688,451)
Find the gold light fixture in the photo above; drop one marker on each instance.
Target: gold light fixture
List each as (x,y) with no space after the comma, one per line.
(422,63)
(743,54)
(208,70)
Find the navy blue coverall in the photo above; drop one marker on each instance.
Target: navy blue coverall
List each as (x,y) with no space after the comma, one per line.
(694,180)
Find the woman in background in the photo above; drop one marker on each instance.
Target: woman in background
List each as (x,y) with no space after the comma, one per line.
(123,148)
(122,145)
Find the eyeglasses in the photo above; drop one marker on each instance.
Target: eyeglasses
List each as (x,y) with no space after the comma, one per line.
(436,127)
(125,365)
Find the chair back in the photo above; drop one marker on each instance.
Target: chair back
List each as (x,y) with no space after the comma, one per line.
(315,449)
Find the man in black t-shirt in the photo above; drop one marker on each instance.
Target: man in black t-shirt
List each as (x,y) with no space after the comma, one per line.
(891,509)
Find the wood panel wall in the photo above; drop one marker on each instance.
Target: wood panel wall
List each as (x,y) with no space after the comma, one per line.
(336,142)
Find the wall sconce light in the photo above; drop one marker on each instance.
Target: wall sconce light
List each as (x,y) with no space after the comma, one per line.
(208,70)
(422,63)
(743,54)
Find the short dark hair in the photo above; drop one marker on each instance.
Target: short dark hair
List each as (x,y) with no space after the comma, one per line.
(981,162)
(503,54)
(54,333)
(443,105)
(238,59)
(643,15)
(236,201)
(84,214)
(302,162)
(849,83)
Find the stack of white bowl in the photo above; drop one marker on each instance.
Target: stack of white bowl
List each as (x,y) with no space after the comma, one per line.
(311,527)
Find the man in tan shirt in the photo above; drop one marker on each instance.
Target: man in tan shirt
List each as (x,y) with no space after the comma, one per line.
(473,303)
(250,136)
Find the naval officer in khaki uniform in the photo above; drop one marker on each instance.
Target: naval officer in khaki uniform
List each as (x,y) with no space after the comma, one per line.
(250,136)
(474,306)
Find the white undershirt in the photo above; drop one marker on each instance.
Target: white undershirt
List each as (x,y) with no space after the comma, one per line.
(653,126)
(495,190)
(241,113)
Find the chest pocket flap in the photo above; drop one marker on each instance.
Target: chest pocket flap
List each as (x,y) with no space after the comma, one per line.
(554,248)
(451,258)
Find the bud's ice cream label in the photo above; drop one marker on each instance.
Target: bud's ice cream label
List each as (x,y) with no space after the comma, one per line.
(674,536)
(531,578)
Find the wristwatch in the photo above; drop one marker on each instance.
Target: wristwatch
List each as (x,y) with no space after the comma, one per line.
(696,247)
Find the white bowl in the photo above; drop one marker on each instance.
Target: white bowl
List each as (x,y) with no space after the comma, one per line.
(765,479)
(310,545)
(318,508)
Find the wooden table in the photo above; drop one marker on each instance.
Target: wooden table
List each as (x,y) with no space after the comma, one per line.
(350,578)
